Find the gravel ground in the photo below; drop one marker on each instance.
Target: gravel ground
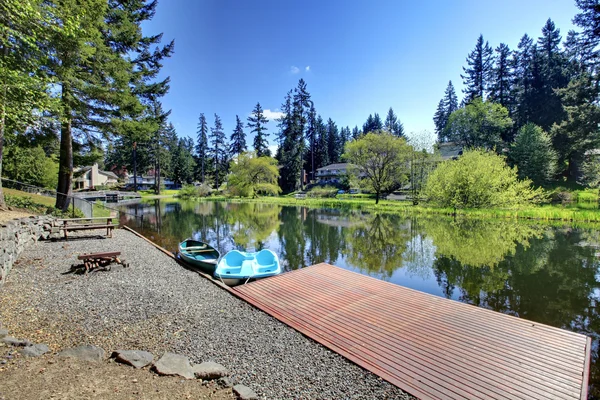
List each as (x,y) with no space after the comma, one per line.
(157,305)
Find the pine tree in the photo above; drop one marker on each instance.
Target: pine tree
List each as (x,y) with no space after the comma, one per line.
(355,133)
(238,139)
(450,99)
(500,77)
(161,141)
(202,149)
(311,136)
(377,124)
(284,124)
(258,124)
(322,152)
(523,81)
(392,124)
(447,105)
(218,150)
(477,73)
(368,125)
(333,141)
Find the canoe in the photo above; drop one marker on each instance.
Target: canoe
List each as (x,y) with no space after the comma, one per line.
(238,267)
(199,254)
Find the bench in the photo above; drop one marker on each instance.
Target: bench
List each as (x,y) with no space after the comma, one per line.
(99,260)
(81,224)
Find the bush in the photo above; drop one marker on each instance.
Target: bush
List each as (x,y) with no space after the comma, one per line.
(190,191)
(533,155)
(322,192)
(479,179)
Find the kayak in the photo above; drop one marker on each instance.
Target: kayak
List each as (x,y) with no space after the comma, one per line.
(237,266)
(199,254)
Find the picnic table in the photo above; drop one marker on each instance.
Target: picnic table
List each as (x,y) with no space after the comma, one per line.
(79,224)
(92,261)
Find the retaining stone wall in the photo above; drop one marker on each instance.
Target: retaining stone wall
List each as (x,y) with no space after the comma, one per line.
(16,235)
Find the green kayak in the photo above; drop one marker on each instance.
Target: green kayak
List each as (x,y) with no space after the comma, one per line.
(199,254)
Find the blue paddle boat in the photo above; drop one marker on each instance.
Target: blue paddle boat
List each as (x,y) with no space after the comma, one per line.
(238,266)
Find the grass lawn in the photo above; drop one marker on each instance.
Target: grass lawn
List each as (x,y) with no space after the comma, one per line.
(36,198)
(149,193)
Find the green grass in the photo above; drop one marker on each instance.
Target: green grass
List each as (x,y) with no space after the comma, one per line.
(36,198)
(35,203)
(150,193)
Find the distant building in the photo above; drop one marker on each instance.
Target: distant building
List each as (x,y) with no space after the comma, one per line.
(87,178)
(332,173)
(147,182)
(450,150)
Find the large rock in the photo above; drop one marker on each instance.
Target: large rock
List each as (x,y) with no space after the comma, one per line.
(136,358)
(209,370)
(85,353)
(35,350)
(244,392)
(174,364)
(11,341)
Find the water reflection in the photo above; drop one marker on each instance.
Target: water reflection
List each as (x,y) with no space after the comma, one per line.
(542,273)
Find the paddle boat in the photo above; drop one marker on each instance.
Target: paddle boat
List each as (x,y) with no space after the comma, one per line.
(199,254)
(239,267)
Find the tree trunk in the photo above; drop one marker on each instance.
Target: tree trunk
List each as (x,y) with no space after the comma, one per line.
(2,125)
(65,166)
(376,197)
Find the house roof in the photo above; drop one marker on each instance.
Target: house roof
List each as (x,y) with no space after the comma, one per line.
(334,166)
(450,150)
(109,174)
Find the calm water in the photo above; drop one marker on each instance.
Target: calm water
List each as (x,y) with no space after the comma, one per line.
(547,274)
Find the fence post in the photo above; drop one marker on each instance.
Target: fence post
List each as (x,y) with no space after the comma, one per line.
(73,201)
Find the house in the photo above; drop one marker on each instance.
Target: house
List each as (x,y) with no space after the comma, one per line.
(450,150)
(87,178)
(146,182)
(333,173)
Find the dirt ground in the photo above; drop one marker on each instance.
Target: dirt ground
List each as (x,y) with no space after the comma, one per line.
(7,215)
(50,377)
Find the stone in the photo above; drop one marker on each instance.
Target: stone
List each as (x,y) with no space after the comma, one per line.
(244,392)
(3,333)
(35,350)
(135,358)
(225,382)
(209,370)
(174,364)
(11,341)
(85,353)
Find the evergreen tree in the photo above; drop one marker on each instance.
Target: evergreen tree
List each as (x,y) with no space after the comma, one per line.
(218,150)
(500,77)
(333,141)
(183,161)
(238,138)
(526,80)
(202,149)
(477,73)
(450,99)
(533,155)
(589,20)
(284,124)
(355,133)
(258,124)
(377,124)
(440,119)
(368,126)
(345,137)
(311,136)
(322,151)
(161,141)
(392,124)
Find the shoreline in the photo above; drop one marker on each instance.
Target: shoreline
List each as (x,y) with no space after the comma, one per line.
(158,305)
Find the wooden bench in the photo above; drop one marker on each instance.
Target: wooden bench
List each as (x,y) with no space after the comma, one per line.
(99,260)
(82,224)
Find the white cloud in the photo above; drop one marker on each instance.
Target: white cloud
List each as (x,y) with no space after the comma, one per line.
(307,68)
(294,69)
(271,115)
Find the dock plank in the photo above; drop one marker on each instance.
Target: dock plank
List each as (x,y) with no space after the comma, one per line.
(431,347)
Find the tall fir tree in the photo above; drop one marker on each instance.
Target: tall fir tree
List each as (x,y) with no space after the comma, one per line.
(377,123)
(284,124)
(392,124)
(218,150)
(322,152)
(202,149)
(477,73)
(368,125)
(311,136)
(355,132)
(333,142)
(501,76)
(257,122)
(238,139)
(447,105)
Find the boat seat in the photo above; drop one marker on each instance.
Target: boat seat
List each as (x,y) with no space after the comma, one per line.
(235,259)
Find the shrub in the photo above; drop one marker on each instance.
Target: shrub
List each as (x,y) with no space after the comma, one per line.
(533,155)
(190,191)
(479,179)
(322,192)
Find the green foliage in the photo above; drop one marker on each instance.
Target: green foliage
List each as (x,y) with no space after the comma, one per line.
(479,124)
(31,165)
(251,175)
(36,207)
(322,192)
(533,155)
(478,72)
(257,123)
(381,161)
(479,179)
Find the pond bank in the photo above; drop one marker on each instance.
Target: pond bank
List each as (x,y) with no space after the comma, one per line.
(537,213)
(157,305)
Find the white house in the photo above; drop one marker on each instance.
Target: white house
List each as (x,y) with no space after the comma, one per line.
(332,173)
(91,177)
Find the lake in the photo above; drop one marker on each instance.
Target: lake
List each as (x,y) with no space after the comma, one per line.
(544,273)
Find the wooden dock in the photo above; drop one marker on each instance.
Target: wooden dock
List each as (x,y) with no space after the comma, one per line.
(431,347)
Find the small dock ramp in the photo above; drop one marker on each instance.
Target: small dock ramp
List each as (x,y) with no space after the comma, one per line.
(431,347)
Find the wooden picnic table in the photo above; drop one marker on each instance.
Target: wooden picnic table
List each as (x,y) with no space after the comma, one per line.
(80,224)
(92,261)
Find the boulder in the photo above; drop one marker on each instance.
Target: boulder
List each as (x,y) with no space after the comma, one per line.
(3,333)
(210,370)
(85,353)
(35,350)
(136,358)
(244,392)
(174,364)
(11,341)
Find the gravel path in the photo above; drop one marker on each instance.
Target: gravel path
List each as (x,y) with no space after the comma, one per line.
(157,305)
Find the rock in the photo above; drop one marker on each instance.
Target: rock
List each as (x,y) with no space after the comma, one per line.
(136,358)
(244,392)
(11,341)
(174,364)
(3,333)
(209,370)
(35,350)
(85,353)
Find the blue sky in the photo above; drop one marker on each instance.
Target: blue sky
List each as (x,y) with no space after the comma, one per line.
(357,57)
